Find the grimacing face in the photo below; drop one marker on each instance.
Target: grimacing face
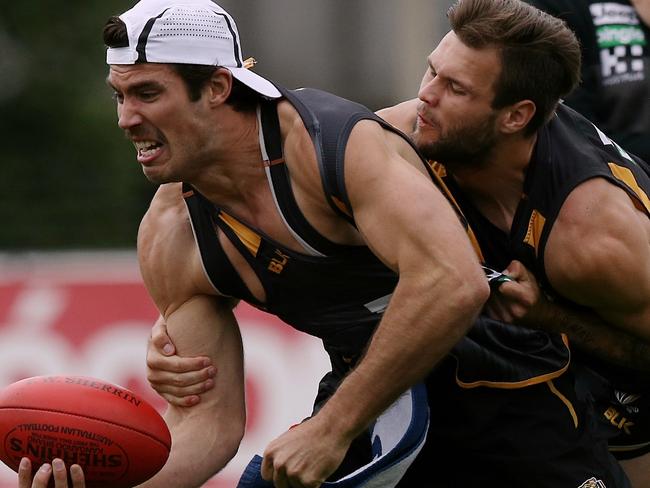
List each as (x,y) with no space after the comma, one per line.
(456,124)
(167,129)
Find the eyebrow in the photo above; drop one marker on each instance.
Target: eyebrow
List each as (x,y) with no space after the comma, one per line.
(464,85)
(144,85)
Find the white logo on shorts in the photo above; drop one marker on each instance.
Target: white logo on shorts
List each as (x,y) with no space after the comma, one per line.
(592,483)
(626,398)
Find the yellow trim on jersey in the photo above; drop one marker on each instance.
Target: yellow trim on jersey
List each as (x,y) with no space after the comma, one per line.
(535,228)
(626,176)
(439,172)
(513,385)
(628,448)
(565,400)
(247,236)
(341,206)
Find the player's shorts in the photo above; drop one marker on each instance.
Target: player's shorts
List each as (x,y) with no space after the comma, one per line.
(622,413)
(538,436)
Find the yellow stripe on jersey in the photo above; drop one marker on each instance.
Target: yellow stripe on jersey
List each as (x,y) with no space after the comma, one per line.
(626,176)
(248,237)
(564,400)
(535,228)
(439,172)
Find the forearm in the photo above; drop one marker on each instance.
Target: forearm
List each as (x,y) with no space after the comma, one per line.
(200,449)
(412,337)
(592,334)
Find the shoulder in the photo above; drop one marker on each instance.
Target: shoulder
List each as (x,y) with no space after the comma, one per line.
(168,256)
(598,235)
(166,214)
(374,148)
(402,115)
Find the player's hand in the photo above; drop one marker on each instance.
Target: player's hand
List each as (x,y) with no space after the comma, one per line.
(519,301)
(179,380)
(304,456)
(46,471)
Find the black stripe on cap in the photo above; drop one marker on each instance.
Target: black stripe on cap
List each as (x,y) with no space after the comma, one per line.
(234,39)
(144,37)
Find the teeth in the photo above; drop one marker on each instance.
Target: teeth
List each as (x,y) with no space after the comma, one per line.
(145,146)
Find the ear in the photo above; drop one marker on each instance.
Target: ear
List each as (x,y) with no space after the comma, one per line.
(515,118)
(219,86)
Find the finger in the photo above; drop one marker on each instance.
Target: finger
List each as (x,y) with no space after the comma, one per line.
(182,384)
(280,479)
(60,474)
(515,270)
(77,476)
(178,364)
(267,468)
(181,391)
(42,476)
(181,401)
(24,473)
(160,338)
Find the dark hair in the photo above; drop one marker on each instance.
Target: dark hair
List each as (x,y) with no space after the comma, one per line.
(196,76)
(540,55)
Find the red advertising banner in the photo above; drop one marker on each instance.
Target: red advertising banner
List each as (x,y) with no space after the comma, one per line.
(89,314)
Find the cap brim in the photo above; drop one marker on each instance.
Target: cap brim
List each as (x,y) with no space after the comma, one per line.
(256,82)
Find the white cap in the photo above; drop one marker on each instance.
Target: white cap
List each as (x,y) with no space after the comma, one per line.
(186,32)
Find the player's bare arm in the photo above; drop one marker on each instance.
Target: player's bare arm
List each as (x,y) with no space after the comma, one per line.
(520,301)
(410,226)
(598,255)
(207,436)
(401,115)
(178,380)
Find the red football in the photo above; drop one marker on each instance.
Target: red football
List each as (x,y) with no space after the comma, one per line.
(118,438)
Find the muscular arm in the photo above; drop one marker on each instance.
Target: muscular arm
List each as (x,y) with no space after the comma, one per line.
(206,436)
(598,256)
(521,302)
(409,225)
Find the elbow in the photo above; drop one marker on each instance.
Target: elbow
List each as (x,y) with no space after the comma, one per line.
(471,292)
(232,440)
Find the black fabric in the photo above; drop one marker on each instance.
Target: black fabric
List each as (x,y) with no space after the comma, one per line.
(220,271)
(327,296)
(614,92)
(282,184)
(330,132)
(569,151)
(521,438)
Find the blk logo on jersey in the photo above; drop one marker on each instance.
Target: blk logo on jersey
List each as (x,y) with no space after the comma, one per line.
(278,262)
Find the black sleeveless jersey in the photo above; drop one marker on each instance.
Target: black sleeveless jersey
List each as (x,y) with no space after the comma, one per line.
(569,151)
(335,292)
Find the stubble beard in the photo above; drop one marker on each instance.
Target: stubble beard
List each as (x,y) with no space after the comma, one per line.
(467,147)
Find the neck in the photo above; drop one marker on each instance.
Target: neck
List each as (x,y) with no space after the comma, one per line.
(643,10)
(235,169)
(496,187)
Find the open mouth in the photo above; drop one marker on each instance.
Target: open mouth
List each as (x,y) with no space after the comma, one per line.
(147,149)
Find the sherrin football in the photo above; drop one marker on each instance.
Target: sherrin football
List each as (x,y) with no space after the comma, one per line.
(118,438)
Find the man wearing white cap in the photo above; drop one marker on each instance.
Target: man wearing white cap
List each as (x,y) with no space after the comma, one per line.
(301,203)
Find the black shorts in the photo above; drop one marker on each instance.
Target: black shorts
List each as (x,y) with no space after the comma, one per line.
(622,413)
(538,436)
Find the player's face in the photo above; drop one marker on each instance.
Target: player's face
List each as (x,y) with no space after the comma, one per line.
(456,124)
(167,129)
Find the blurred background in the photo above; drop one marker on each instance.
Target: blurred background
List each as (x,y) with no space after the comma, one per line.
(71,299)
